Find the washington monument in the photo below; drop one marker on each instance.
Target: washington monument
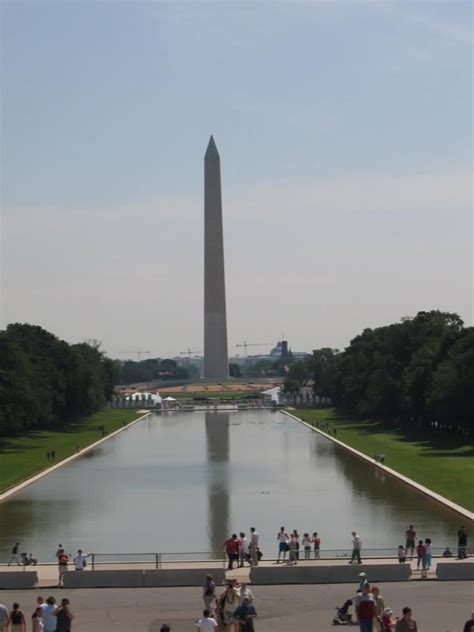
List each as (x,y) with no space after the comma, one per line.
(216,362)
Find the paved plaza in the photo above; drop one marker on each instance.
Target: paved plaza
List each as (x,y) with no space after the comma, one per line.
(437,606)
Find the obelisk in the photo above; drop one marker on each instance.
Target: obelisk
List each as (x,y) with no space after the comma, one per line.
(216,362)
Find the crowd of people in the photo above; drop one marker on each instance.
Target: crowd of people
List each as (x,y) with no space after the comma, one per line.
(47,616)
(233,608)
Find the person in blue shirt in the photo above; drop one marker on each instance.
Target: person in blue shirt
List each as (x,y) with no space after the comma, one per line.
(244,615)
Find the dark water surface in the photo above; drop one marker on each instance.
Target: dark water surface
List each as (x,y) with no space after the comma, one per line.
(181,482)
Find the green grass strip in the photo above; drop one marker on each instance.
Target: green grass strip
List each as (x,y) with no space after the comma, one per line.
(441,461)
(21,457)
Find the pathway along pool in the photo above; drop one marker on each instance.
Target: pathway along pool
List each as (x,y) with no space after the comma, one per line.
(181,482)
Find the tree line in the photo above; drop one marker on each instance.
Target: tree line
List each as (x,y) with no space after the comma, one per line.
(419,372)
(46,382)
(150,369)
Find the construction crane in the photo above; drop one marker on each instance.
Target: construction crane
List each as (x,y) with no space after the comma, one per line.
(189,351)
(246,344)
(139,353)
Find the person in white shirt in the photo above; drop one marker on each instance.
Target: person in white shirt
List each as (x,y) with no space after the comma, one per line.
(49,616)
(283,539)
(244,549)
(356,548)
(80,561)
(207,623)
(245,593)
(3,618)
(253,546)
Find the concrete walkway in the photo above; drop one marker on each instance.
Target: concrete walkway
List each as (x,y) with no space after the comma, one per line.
(437,606)
(48,573)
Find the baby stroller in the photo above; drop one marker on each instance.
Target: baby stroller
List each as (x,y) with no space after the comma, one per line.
(343,616)
(28,561)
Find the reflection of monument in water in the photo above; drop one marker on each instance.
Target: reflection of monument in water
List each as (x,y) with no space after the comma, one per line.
(217,436)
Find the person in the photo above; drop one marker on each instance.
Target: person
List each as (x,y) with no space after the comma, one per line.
(64,617)
(244,550)
(316,545)
(207,623)
(462,543)
(468,626)
(253,546)
(209,594)
(365,609)
(306,543)
(80,561)
(402,554)
(447,552)
(388,623)
(33,561)
(297,538)
(16,619)
(39,604)
(356,548)
(63,561)
(15,555)
(228,602)
(406,623)
(427,557)
(293,550)
(232,548)
(245,593)
(282,539)
(379,601)
(420,552)
(38,620)
(245,614)
(410,540)
(363,581)
(58,551)
(3,618)
(165,628)
(50,622)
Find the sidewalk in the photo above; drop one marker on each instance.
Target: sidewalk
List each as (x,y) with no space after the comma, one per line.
(48,573)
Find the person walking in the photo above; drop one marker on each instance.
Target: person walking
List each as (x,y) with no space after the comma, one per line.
(293,551)
(468,626)
(244,615)
(228,602)
(365,609)
(64,617)
(410,540)
(209,594)
(427,557)
(16,620)
(50,622)
(297,538)
(283,540)
(306,544)
(63,561)
(245,593)
(15,554)
(406,623)
(462,544)
(356,548)
(3,618)
(253,546)
(232,548)
(207,623)
(316,545)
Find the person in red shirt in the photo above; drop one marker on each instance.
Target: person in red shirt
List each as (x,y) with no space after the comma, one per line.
(365,609)
(420,553)
(232,548)
(63,561)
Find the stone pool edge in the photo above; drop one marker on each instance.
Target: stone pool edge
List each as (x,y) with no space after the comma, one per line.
(32,479)
(404,479)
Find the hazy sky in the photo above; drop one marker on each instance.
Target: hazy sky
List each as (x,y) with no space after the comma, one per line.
(345,136)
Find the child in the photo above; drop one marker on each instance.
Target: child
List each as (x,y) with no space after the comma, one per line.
(420,552)
(402,554)
(387,622)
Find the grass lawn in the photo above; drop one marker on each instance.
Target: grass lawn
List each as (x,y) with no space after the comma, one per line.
(441,462)
(21,457)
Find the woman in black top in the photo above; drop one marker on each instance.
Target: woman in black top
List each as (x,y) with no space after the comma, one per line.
(16,619)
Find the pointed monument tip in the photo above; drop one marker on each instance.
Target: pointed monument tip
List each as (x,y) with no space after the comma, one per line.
(211,151)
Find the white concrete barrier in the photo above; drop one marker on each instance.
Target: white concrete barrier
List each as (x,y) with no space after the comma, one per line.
(104,579)
(264,575)
(18,579)
(455,571)
(182,577)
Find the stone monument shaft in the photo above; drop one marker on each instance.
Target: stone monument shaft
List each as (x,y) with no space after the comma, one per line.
(216,362)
